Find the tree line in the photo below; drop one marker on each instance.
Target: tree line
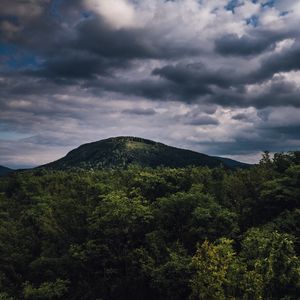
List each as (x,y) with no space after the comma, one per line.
(142,233)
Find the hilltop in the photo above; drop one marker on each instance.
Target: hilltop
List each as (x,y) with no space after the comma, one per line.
(124,151)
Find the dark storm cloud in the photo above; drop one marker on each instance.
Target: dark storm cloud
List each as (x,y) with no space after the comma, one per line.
(233,45)
(255,42)
(194,82)
(284,61)
(140,111)
(276,93)
(70,65)
(97,49)
(245,143)
(287,132)
(240,117)
(98,38)
(195,76)
(180,82)
(91,48)
(70,50)
(203,120)
(147,88)
(153,89)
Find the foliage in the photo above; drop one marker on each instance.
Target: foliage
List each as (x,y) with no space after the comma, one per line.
(152,233)
(212,263)
(272,255)
(47,290)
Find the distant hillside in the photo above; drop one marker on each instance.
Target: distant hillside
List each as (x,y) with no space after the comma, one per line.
(233,163)
(4,170)
(123,151)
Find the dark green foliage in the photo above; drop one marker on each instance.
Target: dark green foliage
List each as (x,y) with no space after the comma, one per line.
(271,254)
(143,233)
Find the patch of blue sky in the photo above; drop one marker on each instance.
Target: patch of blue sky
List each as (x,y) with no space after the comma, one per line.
(7,49)
(56,12)
(284,13)
(11,19)
(86,14)
(232,4)
(253,21)
(265,3)
(269,3)
(16,58)
(55,8)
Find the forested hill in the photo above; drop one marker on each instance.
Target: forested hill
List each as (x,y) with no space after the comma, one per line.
(124,151)
(4,170)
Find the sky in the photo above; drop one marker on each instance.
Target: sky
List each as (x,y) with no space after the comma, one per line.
(216,76)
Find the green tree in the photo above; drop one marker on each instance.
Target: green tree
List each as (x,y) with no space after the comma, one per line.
(47,290)
(213,263)
(272,255)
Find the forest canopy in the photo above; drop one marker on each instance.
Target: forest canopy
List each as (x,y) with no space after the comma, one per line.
(152,233)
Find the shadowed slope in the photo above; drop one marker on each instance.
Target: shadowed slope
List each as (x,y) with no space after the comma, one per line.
(4,170)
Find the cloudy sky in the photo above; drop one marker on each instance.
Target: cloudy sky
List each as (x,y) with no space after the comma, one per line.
(216,76)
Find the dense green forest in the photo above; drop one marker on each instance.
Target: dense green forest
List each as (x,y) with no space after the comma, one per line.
(161,233)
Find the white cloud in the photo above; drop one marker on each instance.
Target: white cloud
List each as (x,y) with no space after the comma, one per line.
(118,13)
(283,45)
(247,9)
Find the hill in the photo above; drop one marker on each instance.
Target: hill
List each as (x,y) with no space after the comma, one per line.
(123,151)
(231,163)
(4,170)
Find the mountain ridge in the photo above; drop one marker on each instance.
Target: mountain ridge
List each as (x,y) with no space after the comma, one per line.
(123,151)
(5,170)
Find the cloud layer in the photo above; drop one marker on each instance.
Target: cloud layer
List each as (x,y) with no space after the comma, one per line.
(220,77)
